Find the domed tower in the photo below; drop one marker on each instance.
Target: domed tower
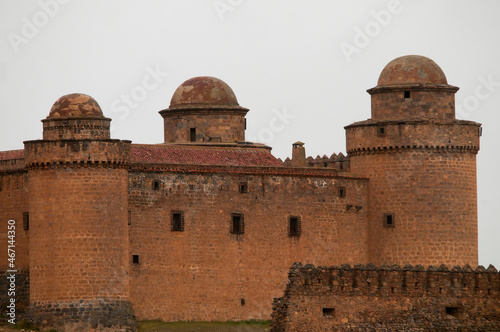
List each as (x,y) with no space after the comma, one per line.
(421,165)
(204,109)
(78,182)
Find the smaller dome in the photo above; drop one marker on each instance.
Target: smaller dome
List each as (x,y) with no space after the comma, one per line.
(204,92)
(75,105)
(411,69)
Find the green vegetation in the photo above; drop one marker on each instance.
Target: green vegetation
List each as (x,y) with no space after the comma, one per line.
(245,326)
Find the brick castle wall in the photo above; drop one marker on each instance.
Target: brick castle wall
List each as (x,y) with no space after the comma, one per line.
(423,103)
(205,272)
(210,125)
(422,175)
(13,204)
(78,210)
(388,299)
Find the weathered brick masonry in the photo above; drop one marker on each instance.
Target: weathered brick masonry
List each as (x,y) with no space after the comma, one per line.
(206,225)
(370,298)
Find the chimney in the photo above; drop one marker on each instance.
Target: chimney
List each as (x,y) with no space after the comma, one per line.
(298,155)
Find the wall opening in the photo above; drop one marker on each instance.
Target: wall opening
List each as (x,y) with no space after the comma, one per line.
(342,192)
(156,184)
(381,131)
(192,134)
(135,259)
(329,312)
(129,217)
(26,221)
(177,221)
(407,94)
(243,187)
(452,311)
(389,220)
(294,226)
(237,223)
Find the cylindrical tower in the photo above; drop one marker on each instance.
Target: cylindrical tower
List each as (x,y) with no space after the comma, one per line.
(78,187)
(421,165)
(204,110)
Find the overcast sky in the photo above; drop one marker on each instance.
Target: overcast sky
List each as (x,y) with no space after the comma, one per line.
(301,67)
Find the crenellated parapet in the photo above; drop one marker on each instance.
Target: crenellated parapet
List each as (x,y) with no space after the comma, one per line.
(354,298)
(77,153)
(336,161)
(387,280)
(388,136)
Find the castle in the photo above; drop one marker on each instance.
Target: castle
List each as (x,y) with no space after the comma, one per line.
(205,226)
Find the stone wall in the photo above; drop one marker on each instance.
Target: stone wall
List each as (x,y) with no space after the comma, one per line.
(205,272)
(21,293)
(367,298)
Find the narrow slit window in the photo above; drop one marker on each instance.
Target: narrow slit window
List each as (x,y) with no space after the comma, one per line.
(243,187)
(389,220)
(129,217)
(381,131)
(192,134)
(26,221)
(237,223)
(342,192)
(135,259)
(407,94)
(177,221)
(294,226)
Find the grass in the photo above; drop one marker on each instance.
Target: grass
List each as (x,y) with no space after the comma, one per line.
(244,326)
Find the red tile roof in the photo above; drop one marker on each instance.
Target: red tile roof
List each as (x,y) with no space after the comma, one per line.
(203,155)
(12,154)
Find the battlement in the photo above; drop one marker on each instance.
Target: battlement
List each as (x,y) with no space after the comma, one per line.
(77,153)
(397,298)
(388,280)
(336,161)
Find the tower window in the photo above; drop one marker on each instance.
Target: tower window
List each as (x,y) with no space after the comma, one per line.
(388,220)
(294,226)
(26,221)
(237,223)
(342,192)
(381,131)
(407,94)
(177,221)
(243,187)
(192,134)
(156,185)
(135,259)
(129,217)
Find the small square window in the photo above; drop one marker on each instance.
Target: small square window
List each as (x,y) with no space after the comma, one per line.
(389,220)
(135,259)
(243,187)
(452,311)
(329,312)
(156,184)
(237,223)
(407,94)
(26,221)
(294,226)
(342,192)
(381,131)
(177,221)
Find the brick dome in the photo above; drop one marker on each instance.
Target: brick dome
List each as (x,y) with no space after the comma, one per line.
(204,92)
(411,69)
(75,105)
